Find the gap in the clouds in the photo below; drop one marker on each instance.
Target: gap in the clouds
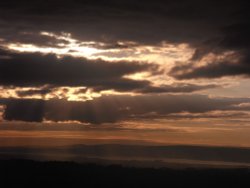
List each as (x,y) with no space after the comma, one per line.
(64,45)
(165,54)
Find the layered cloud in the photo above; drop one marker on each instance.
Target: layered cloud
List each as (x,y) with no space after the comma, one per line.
(146,22)
(109,61)
(38,70)
(34,69)
(209,27)
(232,52)
(115,108)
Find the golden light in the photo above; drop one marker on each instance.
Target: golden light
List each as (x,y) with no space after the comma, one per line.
(2,107)
(68,93)
(165,55)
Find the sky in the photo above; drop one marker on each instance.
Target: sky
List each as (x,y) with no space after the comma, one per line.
(130,72)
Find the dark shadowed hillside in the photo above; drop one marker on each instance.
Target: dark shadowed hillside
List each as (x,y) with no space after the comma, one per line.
(19,173)
(136,155)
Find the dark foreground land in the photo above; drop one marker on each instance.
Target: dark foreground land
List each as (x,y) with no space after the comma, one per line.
(26,173)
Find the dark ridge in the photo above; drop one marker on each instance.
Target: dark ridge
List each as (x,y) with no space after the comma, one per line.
(20,173)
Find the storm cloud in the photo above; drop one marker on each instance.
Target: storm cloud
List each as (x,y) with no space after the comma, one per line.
(114,108)
(145,22)
(37,70)
(209,27)
(34,69)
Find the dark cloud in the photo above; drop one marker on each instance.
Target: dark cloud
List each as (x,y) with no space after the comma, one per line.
(37,70)
(145,21)
(113,108)
(213,70)
(34,69)
(176,88)
(145,87)
(235,38)
(208,26)
(24,110)
(36,39)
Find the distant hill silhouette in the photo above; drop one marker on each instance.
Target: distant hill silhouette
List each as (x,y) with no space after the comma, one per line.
(136,155)
(27,173)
